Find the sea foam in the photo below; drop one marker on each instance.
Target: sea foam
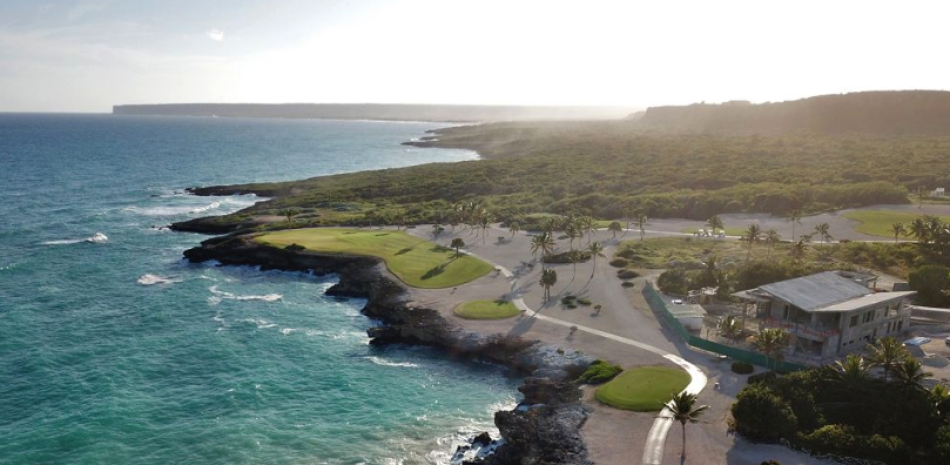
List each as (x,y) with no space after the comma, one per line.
(152,279)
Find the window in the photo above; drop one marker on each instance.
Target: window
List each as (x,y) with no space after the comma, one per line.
(854,321)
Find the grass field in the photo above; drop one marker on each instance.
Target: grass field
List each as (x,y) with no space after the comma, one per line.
(658,253)
(878,222)
(643,389)
(486,310)
(417,262)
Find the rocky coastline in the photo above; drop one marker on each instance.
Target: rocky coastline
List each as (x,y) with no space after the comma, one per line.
(543,429)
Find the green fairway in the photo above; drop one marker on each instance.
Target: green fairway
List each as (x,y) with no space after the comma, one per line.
(417,262)
(486,310)
(644,389)
(878,222)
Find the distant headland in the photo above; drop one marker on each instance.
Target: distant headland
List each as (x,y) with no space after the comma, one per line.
(372,111)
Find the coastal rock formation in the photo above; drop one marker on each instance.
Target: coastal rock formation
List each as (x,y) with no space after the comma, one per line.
(543,429)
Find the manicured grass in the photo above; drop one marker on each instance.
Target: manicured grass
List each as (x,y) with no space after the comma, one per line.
(486,310)
(729,231)
(417,262)
(643,389)
(878,222)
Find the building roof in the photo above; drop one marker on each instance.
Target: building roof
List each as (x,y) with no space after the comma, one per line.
(816,291)
(864,301)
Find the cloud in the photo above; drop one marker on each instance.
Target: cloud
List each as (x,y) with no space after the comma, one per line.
(216,35)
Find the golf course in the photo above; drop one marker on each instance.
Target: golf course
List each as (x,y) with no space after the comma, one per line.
(416,262)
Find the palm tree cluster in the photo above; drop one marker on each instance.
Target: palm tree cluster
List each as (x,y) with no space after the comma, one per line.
(772,342)
(473,214)
(927,229)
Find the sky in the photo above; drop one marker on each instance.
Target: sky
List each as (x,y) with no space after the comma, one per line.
(87,55)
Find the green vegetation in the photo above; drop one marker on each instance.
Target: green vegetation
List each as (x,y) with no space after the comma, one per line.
(599,372)
(627,274)
(417,262)
(486,310)
(643,389)
(611,170)
(742,368)
(880,222)
(684,410)
(843,409)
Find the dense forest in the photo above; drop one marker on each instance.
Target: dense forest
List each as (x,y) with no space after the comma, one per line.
(892,112)
(609,170)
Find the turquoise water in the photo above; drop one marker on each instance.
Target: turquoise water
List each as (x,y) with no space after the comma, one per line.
(121,352)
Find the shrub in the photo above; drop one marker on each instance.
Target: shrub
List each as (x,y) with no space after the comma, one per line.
(627,284)
(571,306)
(742,368)
(584,301)
(844,440)
(627,274)
(628,253)
(565,257)
(672,282)
(568,299)
(929,281)
(771,462)
(295,247)
(619,262)
(600,372)
(764,377)
(762,415)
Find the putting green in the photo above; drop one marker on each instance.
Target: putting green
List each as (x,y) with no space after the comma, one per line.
(417,262)
(644,389)
(486,310)
(878,222)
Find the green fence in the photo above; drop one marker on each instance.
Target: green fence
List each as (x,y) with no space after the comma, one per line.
(659,307)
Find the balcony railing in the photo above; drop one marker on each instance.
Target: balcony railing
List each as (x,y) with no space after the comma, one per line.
(801,328)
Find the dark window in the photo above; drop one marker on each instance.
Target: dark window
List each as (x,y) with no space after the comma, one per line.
(854,321)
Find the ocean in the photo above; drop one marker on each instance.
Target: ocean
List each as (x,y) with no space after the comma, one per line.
(120,352)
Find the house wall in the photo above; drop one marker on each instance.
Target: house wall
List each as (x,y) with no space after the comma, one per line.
(864,325)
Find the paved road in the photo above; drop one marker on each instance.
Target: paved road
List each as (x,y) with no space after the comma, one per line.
(656,439)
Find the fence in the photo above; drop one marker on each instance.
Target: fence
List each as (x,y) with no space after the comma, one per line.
(659,307)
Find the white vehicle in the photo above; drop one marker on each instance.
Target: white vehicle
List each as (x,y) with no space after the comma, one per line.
(678,301)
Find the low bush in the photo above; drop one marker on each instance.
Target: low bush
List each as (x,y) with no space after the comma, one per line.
(742,368)
(600,372)
(627,284)
(762,415)
(295,247)
(565,257)
(764,377)
(627,274)
(584,301)
(571,306)
(568,299)
(619,262)
(845,440)
(672,282)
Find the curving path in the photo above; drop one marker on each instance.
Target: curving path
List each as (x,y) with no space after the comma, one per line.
(656,439)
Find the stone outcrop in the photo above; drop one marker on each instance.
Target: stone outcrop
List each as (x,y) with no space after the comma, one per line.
(543,429)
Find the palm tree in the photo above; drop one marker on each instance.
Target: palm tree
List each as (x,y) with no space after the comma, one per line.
(887,353)
(752,235)
(548,280)
(575,256)
(456,244)
(771,342)
(852,371)
(615,227)
(715,223)
(920,231)
(909,372)
(485,223)
(795,217)
(514,227)
(731,328)
(898,229)
(684,410)
(772,237)
(573,231)
(544,243)
(641,224)
(595,250)
(590,226)
(798,250)
(823,230)
(289,213)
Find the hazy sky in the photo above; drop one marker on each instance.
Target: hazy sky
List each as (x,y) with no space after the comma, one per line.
(87,55)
